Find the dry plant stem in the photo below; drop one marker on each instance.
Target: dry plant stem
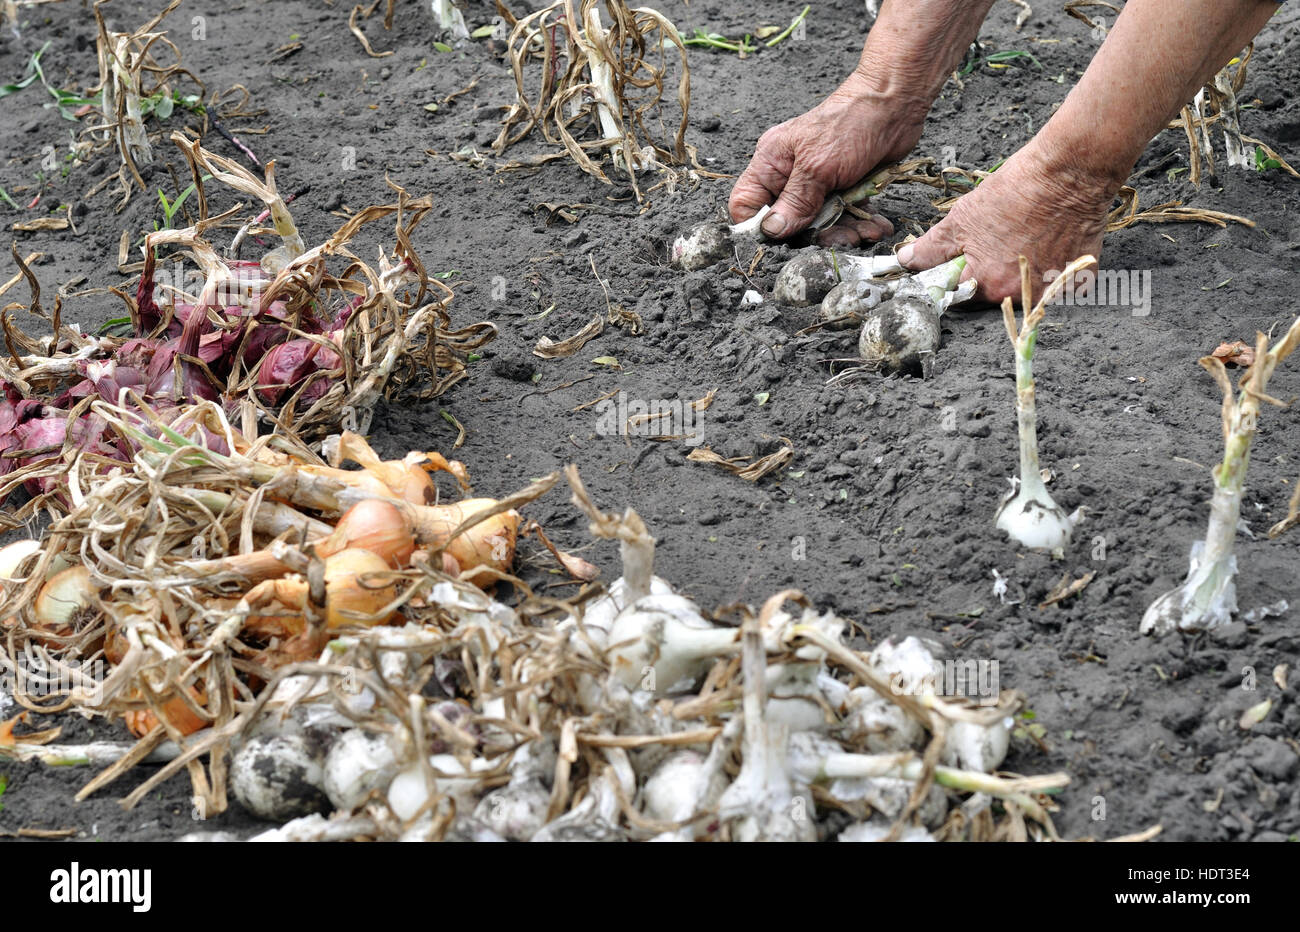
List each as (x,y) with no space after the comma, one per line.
(1292,517)
(94,754)
(1208,597)
(636,546)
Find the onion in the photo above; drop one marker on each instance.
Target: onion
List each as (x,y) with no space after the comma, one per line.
(662,643)
(357,763)
(63,601)
(374,525)
(711,242)
(848,303)
(903,333)
(490,543)
(358,585)
(12,556)
(809,277)
(1028,514)
(350,588)
(279,777)
(406,478)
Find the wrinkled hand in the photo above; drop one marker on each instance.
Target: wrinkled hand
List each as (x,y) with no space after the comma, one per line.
(1037,204)
(831,147)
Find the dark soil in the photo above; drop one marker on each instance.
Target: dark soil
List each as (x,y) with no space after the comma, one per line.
(885,512)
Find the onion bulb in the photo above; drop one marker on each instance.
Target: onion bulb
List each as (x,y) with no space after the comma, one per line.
(903,334)
(279,777)
(662,643)
(848,303)
(64,602)
(712,242)
(374,525)
(490,543)
(358,585)
(356,764)
(12,556)
(811,275)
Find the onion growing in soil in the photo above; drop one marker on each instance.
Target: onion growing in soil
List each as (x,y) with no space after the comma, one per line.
(1208,597)
(809,277)
(712,242)
(1028,514)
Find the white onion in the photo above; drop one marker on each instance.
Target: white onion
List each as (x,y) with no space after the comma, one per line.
(357,763)
(279,777)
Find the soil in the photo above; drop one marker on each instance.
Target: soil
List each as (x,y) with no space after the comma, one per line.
(885,511)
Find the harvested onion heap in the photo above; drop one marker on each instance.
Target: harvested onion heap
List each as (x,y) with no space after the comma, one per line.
(199,573)
(622,713)
(1208,597)
(280,339)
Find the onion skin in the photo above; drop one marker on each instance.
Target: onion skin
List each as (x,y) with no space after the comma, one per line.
(489,544)
(177,712)
(349,592)
(377,526)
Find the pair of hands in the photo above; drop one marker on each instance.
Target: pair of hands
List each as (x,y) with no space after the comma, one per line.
(1037,204)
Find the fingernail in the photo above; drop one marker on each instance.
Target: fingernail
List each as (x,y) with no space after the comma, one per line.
(775,225)
(905,255)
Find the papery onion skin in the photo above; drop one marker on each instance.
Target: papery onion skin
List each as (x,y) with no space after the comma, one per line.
(490,543)
(374,525)
(177,712)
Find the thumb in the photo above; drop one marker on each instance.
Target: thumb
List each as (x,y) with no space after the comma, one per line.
(798,204)
(934,248)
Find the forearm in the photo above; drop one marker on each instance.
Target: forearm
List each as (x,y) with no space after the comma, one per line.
(1155,59)
(914,46)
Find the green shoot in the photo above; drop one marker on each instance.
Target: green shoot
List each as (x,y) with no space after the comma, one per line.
(714,40)
(116,327)
(4,785)
(1263,162)
(1000,60)
(4,196)
(790,30)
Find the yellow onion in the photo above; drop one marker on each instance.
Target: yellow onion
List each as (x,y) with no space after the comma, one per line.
(358,584)
(177,712)
(377,526)
(490,543)
(348,591)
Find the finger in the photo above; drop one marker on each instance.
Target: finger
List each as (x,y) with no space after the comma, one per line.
(850,231)
(798,204)
(938,245)
(759,185)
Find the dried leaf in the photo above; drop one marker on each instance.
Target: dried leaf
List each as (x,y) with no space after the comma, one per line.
(576,567)
(1255,714)
(1066,588)
(41,223)
(547,348)
(1236,353)
(9,739)
(741,466)
(1279,675)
